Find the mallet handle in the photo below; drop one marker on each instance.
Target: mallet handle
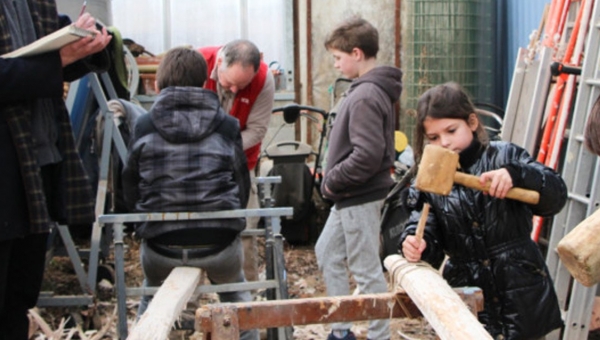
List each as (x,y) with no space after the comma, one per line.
(519,194)
(422,222)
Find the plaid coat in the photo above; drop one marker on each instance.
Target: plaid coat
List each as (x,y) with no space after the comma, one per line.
(75,192)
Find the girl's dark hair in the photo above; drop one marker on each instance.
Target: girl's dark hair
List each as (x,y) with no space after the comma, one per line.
(591,134)
(354,32)
(181,66)
(447,100)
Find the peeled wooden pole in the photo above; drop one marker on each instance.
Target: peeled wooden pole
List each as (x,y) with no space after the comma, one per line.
(437,301)
(168,302)
(578,250)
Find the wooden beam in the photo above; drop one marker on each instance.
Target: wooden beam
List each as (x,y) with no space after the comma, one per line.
(217,321)
(166,305)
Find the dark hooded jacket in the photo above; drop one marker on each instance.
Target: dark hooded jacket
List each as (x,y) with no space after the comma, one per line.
(361,142)
(186,155)
(488,243)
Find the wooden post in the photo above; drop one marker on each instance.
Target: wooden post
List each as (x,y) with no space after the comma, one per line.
(437,301)
(166,305)
(578,250)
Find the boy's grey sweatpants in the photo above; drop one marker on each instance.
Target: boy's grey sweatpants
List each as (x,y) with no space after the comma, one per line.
(350,239)
(223,267)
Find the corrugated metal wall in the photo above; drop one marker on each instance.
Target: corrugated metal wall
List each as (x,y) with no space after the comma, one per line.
(520,19)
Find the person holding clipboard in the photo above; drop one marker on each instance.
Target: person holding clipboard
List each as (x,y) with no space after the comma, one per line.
(42,180)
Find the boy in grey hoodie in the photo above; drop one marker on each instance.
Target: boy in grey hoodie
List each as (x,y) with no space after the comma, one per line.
(357,175)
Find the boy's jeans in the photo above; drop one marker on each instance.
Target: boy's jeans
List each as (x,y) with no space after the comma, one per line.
(351,238)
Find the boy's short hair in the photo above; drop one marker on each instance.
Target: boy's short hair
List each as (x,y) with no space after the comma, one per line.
(181,66)
(354,32)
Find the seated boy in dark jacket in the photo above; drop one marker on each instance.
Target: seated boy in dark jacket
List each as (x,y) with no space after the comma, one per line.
(186,155)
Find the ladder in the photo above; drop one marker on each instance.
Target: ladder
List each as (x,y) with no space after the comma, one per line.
(527,97)
(580,170)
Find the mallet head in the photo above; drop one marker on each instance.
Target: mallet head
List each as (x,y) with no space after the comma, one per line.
(436,170)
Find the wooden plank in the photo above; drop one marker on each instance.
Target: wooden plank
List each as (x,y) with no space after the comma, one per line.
(166,305)
(280,313)
(514,96)
(441,306)
(535,94)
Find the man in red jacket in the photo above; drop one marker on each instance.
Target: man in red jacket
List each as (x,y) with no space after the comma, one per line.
(246,90)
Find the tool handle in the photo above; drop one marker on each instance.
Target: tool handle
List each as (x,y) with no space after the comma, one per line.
(557,68)
(519,194)
(422,222)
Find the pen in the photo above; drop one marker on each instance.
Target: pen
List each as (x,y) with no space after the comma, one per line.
(83,8)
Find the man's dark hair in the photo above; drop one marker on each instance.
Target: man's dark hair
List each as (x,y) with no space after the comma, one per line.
(354,32)
(243,52)
(181,67)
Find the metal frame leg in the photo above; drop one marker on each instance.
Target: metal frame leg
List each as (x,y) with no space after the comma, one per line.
(120,276)
(75,259)
(281,277)
(275,243)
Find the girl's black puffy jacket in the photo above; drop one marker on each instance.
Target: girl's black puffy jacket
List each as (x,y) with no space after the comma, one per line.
(488,243)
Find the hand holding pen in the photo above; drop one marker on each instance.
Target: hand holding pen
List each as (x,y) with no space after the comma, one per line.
(83,8)
(88,45)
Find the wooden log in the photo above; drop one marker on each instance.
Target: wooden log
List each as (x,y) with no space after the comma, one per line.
(437,301)
(166,305)
(578,250)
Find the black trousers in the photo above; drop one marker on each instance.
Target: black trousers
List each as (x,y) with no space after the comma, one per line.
(21,272)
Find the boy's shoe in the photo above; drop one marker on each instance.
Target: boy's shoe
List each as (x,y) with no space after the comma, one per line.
(349,336)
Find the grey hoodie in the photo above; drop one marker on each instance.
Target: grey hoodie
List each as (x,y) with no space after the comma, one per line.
(361,143)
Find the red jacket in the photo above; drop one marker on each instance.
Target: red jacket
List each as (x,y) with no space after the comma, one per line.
(244,99)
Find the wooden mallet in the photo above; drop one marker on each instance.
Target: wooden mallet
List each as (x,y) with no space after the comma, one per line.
(437,173)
